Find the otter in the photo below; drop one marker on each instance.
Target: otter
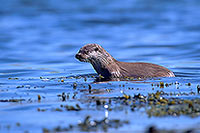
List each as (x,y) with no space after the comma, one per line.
(108,67)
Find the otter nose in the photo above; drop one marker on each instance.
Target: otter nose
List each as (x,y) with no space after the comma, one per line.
(78,56)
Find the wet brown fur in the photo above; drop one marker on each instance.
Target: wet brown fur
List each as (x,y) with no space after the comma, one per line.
(108,67)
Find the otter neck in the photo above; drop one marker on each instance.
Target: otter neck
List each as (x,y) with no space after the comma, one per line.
(106,66)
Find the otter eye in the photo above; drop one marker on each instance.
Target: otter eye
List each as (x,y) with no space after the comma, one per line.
(96,49)
(86,52)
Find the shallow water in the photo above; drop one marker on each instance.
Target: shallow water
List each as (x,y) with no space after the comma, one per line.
(38,41)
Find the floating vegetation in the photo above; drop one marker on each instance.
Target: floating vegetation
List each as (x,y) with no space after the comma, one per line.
(89,87)
(198,89)
(156,105)
(18,124)
(41,110)
(71,108)
(90,125)
(164,99)
(190,108)
(74,85)
(188,84)
(153,129)
(20,86)
(13,78)
(162,84)
(12,100)
(63,96)
(39,98)
(104,124)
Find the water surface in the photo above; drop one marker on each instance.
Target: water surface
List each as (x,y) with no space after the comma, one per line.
(38,41)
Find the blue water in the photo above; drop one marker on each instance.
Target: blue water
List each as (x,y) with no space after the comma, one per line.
(40,38)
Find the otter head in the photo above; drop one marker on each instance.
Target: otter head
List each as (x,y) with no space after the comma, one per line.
(100,59)
(92,53)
